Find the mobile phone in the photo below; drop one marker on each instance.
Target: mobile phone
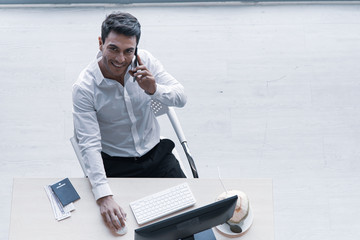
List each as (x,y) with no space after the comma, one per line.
(135,62)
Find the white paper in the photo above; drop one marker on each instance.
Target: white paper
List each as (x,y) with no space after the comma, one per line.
(59,211)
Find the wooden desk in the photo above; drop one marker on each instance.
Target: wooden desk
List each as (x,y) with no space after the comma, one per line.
(32,216)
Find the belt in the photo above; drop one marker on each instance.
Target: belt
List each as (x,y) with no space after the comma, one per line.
(132,159)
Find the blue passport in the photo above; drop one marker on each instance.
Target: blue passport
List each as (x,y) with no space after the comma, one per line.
(65,192)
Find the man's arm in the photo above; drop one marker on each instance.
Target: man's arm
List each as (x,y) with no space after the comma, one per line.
(159,84)
(88,132)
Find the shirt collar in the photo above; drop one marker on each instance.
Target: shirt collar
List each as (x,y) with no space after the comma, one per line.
(99,77)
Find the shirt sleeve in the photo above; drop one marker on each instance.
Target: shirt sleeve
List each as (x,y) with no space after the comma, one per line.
(88,134)
(168,90)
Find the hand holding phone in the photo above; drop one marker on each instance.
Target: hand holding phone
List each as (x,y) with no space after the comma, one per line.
(143,76)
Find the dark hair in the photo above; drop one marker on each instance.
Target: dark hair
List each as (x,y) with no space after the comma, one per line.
(121,23)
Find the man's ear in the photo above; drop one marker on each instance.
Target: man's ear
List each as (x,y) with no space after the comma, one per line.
(100,44)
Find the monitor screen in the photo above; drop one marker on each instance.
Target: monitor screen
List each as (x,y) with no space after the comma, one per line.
(185,225)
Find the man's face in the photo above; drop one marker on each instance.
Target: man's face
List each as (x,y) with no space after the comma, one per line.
(117,51)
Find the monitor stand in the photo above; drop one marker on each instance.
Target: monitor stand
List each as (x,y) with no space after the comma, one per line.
(204,235)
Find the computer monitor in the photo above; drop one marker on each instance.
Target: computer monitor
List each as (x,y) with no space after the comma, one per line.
(185,225)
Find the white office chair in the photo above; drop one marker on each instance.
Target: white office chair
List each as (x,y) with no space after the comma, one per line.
(158,109)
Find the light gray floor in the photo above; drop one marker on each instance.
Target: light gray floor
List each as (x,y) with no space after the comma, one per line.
(273,92)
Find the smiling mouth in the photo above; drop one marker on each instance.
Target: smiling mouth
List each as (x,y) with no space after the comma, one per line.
(117,65)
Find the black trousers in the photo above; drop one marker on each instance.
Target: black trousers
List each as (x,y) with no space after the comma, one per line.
(158,162)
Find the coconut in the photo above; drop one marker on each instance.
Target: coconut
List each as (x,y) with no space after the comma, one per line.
(242,205)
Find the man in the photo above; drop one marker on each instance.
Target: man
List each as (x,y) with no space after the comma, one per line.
(118,134)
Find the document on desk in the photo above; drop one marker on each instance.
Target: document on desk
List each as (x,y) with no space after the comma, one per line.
(59,211)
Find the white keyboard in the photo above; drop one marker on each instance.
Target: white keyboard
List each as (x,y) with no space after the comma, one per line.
(162,203)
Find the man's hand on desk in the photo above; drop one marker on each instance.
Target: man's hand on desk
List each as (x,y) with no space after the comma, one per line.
(110,211)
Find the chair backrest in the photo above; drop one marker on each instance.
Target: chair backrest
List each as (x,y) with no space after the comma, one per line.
(158,109)
(78,154)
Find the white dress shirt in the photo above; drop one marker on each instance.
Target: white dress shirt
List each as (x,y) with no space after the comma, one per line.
(117,119)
